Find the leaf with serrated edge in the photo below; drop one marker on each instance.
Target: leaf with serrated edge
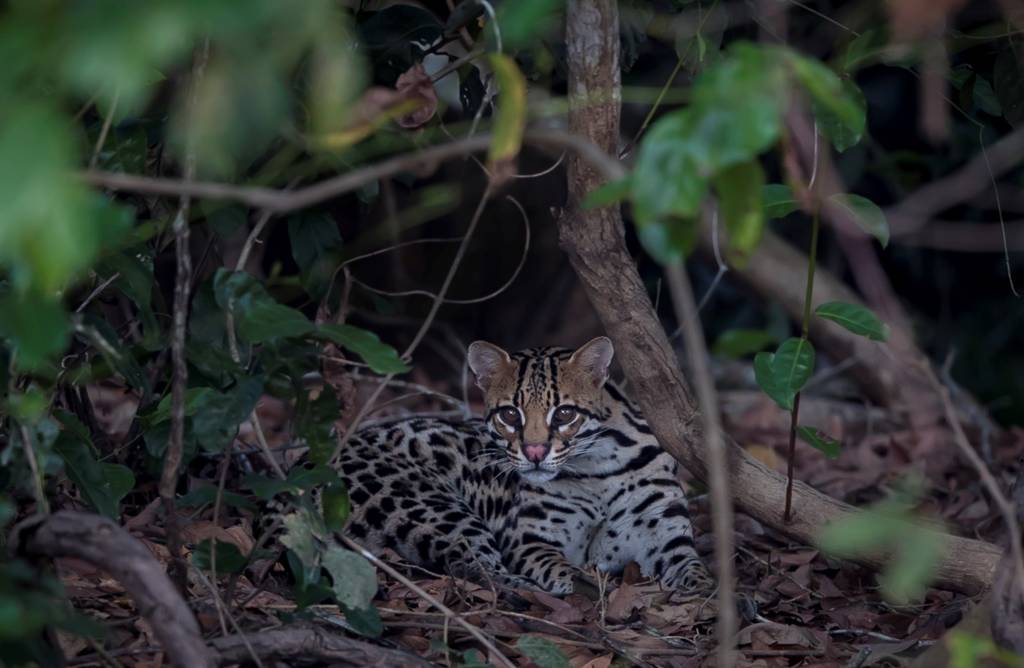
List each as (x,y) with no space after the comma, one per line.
(854,318)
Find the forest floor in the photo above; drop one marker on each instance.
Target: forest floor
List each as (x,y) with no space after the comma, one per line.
(802,608)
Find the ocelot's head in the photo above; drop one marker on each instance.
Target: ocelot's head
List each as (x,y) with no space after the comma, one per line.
(545,404)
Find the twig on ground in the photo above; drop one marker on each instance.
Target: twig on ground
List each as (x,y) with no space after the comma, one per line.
(721,505)
(224,611)
(103,544)
(419,591)
(1005,506)
(179,378)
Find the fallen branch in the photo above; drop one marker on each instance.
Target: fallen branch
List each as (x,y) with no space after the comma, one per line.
(313,643)
(103,544)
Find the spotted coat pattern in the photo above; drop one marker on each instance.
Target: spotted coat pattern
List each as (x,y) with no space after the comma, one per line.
(461,497)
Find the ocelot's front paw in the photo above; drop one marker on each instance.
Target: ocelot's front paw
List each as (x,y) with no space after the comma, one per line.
(693,578)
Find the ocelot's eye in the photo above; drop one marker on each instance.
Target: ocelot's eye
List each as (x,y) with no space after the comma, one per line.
(509,416)
(563,415)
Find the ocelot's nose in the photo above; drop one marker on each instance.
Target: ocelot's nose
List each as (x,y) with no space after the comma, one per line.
(536,452)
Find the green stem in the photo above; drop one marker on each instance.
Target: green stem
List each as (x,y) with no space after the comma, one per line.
(815,225)
(805,330)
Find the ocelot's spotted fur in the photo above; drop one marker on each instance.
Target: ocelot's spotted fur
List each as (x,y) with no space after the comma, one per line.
(562,473)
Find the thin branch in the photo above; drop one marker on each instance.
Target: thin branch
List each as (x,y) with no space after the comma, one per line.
(419,591)
(721,504)
(367,406)
(970,180)
(42,505)
(183,272)
(96,292)
(475,300)
(105,130)
(284,201)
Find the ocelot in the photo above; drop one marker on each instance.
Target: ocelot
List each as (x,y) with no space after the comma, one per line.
(561,474)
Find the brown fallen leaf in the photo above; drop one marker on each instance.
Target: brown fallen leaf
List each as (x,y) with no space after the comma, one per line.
(415,83)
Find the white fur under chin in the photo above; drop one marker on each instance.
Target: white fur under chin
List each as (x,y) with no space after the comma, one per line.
(537,476)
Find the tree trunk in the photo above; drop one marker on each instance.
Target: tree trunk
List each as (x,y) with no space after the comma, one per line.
(594,241)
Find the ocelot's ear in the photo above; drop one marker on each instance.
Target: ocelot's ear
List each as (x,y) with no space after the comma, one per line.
(593,358)
(488,362)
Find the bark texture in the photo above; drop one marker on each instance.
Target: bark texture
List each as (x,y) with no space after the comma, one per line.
(308,643)
(103,544)
(594,241)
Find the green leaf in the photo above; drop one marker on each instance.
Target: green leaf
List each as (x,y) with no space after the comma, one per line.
(765,377)
(842,133)
(855,318)
(365,621)
(667,180)
(229,558)
(36,326)
(303,535)
(736,343)
(300,479)
(739,104)
(865,49)
(906,577)
(315,244)
(354,578)
(524,22)
(819,441)
(778,200)
(314,420)
(542,651)
(1007,74)
(7,511)
(381,357)
(207,494)
(101,484)
(793,364)
(735,114)
(670,240)
(219,414)
(136,282)
(859,533)
(258,316)
(610,193)
(510,118)
(739,191)
(51,225)
(265,321)
(839,107)
(195,397)
(985,98)
(865,214)
(336,506)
